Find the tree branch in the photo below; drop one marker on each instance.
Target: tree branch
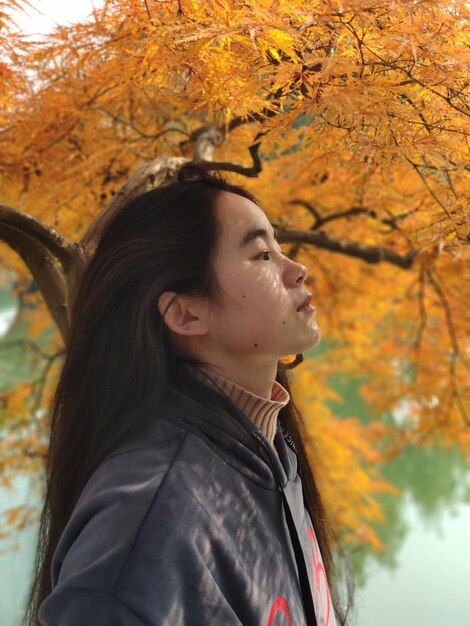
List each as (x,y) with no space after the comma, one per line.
(47,236)
(43,266)
(370,254)
(456,352)
(40,383)
(252,171)
(422,311)
(41,248)
(319,220)
(207,139)
(158,173)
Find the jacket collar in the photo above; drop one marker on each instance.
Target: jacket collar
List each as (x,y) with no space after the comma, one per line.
(263,412)
(202,409)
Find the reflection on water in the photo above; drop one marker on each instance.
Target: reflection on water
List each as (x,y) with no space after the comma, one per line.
(423,576)
(428,584)
(16,555)
(435,483)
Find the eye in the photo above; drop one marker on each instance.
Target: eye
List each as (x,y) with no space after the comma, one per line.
(264,252)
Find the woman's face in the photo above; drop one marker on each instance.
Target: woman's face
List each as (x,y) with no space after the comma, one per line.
(262,289)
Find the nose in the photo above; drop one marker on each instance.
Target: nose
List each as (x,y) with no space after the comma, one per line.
(303,276)
(297,272)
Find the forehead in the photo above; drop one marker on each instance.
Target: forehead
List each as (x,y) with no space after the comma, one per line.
(237,215)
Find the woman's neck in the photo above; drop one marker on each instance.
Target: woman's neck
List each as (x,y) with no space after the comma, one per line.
(263,412)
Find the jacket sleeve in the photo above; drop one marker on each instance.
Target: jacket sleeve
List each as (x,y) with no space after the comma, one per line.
(75,607)
(179,582)
(69,606)
(142,550)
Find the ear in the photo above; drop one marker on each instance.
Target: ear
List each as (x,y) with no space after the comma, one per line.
(184,315)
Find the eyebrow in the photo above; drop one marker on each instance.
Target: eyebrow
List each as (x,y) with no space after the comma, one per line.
(253,234)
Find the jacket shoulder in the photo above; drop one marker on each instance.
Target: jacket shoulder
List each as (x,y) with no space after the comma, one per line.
(112,508)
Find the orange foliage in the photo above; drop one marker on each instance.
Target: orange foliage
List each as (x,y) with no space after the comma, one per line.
(344,455)
(361,105)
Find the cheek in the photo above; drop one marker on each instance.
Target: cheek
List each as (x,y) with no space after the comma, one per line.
(257,289)
(254,294)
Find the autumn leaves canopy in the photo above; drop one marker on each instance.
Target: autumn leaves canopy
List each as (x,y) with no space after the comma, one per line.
(348,120)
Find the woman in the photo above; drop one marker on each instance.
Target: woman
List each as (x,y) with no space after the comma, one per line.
(173,494)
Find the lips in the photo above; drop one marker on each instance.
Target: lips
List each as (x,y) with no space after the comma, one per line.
(305,303)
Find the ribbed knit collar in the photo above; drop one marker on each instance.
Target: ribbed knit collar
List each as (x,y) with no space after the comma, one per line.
(263,412)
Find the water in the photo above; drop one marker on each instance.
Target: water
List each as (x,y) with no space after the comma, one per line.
(17,554)
(430,583)
(423,576)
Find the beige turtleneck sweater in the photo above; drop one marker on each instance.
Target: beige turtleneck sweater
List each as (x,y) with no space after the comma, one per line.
(262,411)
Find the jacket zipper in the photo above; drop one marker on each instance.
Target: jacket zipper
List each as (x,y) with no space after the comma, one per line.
(257,436)
(307,600)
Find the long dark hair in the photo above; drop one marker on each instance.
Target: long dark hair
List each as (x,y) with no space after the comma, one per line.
(120,357)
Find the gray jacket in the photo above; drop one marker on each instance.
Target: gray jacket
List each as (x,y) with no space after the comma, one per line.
(187,525)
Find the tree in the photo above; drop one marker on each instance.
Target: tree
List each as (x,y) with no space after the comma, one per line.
(347,121)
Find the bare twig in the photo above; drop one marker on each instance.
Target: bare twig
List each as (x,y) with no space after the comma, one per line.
(25,342)
(391,222)
(456,353)
(413,79)
(422,310)
(148,10)
(40,383)
(131,125)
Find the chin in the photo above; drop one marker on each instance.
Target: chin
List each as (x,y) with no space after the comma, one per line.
(300,348)
(312,343)
(316,339)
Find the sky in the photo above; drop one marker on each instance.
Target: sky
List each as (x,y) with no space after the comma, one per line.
(44,15)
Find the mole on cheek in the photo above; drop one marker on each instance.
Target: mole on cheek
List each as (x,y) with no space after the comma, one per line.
(256,345)
(283,322)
